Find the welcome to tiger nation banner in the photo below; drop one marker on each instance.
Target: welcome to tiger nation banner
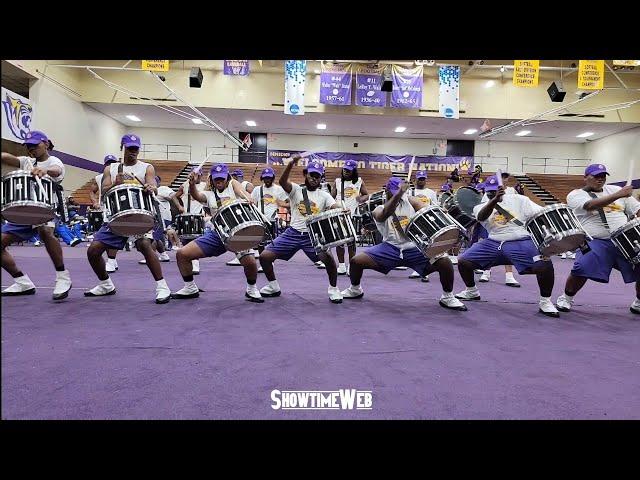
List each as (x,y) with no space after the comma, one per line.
(17,114)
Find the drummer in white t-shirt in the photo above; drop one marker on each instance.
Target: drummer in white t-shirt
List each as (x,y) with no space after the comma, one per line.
(590,204)
(268,197)
(40,163)
(427,197)
(246,185)
(349,191)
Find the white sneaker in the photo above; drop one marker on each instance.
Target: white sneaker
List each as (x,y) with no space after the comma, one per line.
(320,265)
(63,285)
(486,275)
(234,262)
(635,307)
(425,279)
(510,281)
(195,264)
(401,268)
(37,243)
(22,286)
(260,269)
(164,257)
(112,265)
(272,289)
(190,290)
(253,294)
(105,287)
(571,255)
(477,271)
(353,292)
(414,274)
(563,256)
(163,292)
(564,303)
(335,295)
(469,294)
(342,269)
(143,262)
(454,259)
(548,308)
(448,300)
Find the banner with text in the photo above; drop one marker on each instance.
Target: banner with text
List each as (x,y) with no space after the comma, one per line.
(17,113)
(295,72)
(335,84)
(236,67)
(591,75)
(368,86)
(449,76)
(155,65)
(407,87)
(526,73)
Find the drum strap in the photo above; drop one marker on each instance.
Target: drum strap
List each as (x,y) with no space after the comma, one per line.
(305,196)
(62,204)
(603,217)
(342,190)
(396,223)
(215,192)
(508,216)
(261,200)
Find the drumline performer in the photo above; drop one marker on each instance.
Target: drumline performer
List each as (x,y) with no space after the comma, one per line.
(38,145)
(427,197)
(238,175)
(159,232)
(96,198)
(268,197)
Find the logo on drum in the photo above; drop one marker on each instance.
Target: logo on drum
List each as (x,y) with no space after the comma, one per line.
(343,399)
(18,115)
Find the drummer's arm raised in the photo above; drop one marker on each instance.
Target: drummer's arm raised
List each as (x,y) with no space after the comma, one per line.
(240,192)
(485,212)
(194,192)
(10,159)
(284,178)
(607,199)
(416,204)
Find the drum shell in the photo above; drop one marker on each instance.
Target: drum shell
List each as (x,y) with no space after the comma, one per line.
(130,210)
(627,240)
(331,229)
(239,225)
(434,231)
(23,202)
(555,229)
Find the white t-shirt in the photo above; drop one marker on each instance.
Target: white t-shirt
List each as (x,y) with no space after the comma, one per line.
(499,228)
(616,213)
(227,196)
(425,195)
(319,201)
(98,179)
(27,163)
(196,206)
(164,197)
(404,212)
(132,174)
(244,184)
(507,191)
(351,193)
(269,195)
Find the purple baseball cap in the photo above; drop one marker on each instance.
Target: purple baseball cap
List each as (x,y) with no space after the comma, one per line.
(393,185)
(491,184)
(595,169)
(238,173)
(219,170)
(421,174)
(316,167)
(480,186)
(268,172)
(130,140)
(110,159)
(350,165)
(34,137)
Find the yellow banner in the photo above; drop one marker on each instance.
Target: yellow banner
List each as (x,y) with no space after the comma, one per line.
(627,63)
(526,73)
(591,75)
(156,65)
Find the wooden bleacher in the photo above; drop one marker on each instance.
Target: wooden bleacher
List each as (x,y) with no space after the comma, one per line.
(558,185)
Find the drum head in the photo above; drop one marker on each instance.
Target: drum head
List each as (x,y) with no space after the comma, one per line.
(566,244)
(132,224)
(33,213)
(246,238)
(443,242)
(467,198)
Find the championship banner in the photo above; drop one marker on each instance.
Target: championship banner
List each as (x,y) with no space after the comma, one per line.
(335,84)
(155,65)
(627,63)
(17,113)
(369,85)
(407,87)
(394,163)
(236,67)
(449,76)
(294,81)
(591,75)
(526,73)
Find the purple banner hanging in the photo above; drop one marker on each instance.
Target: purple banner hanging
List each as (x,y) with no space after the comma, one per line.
(236,67)
(335,84)
(407,87)
(395,163)
(368,85)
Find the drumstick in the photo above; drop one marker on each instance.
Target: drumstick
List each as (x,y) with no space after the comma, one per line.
(42,190)
(413,159)
(632,161)
(499,177)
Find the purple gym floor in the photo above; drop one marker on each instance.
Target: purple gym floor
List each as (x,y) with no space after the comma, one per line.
(219,357)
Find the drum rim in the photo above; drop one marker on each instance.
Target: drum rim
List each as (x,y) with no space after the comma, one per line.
(423,209)
(566,233)
(25,173)
(250,223)
(329,246)
(431,240)
(135,211)
(634,222)
(28,203)
(547,209)
(190,215)
(334,212)
(123,186)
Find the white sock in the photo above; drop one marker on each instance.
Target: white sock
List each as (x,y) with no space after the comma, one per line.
(568,297)
(190,284)
(162,284)
(355,287)
(341,265)
(447,294)
(509,276)
(252,287)
(274,285)
(107,282)
(473,289)
(545,299)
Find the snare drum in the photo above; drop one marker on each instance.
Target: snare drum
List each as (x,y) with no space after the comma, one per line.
(460,205)
(330,229)
(95,219)
(130,210)
(240,225)
(627,239)
(434,231)
(365,210)
(24,202)
(555,229)
(189,226)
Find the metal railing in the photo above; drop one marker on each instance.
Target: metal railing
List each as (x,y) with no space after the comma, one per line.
(220,155)
(567,166)
(161,151)
(491,164)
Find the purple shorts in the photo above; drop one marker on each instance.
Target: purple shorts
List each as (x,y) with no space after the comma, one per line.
(488,253)
(110,239)
(158,231)
(211,244)
(388,257)
(23,232)
(286,245)
(597,264)
(479,233)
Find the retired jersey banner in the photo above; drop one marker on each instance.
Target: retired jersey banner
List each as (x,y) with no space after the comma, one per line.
(449,76)
(155,65)
(394,163)
(591,75)
(369,85)
(526,73)
(295,72)
(17,113)
(407,87)
(236,67)
(335,84)
(627,63)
